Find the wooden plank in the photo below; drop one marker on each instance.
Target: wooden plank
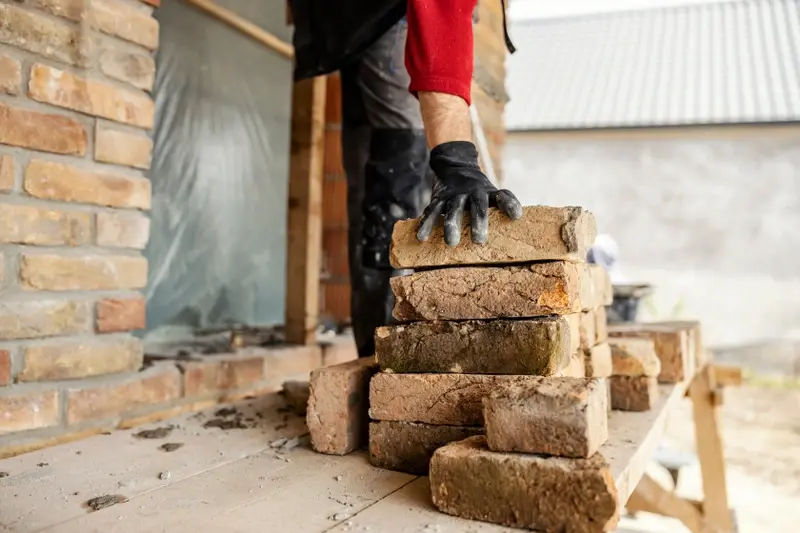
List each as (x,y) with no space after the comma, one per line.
(727,376)
(304,241)
(652,497)
(709,450)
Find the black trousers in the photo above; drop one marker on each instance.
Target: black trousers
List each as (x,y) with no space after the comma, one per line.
(386,161)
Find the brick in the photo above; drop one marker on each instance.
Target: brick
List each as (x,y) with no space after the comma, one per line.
(337,415)
(85,273)
(81,359)
(40,34)
(64,89)
(542,234)
(41,131)
(120,315)
(601,324)
(531,347)
(54,181)
(408,446)
(696,352)
(597,361)
(633,393)
(70,9)
(220,373)
(588,331)
(27,224)
(602,290)
(671,343)
(576,368)
(634,357)
(6,172)
(122,148)
(492,292)
(5,367)
(121,20)
(43,318)
(122,230)
(22,411)
(339,350)
(546,494)
(440,399)
(130,67)
(565,417)
(158,384)
(282,362)
(10,75)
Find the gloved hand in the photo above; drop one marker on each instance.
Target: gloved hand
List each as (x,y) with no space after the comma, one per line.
(460,181)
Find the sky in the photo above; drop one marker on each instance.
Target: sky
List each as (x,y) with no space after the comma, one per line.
(531,9)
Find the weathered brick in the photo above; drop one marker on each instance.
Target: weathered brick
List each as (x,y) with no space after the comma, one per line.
(575,368)
(27,224)
(542,234)
(547,494)
(597,361)
(80,359)
(566,417)
(6,172)
(602,291)
(220,373)
(130,67)
(634,357)
(671,343)
(408,446)
(493,292)
(588,331)
(122,148)
(337,414)
(21,411)
(120,315)
(64,89)
(339,350)
(695,350)
(93,273)
(41,131)
(122,230)
(120,19)
(152,386)
(70,9)
(601,324)
(43,318)
(446,399)
(10,75)
(40,34)
(5,367)
(536,346)
(54,181)
(633,393)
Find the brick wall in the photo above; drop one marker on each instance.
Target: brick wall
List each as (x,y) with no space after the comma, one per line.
(74,115)
(488,95)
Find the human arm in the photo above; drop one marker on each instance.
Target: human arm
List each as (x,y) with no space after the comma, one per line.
(439,59)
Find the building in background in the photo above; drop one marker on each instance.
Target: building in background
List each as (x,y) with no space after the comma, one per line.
(679,128)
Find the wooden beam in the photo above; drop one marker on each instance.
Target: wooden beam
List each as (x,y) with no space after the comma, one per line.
(650,496)
(727,376)
(709,449)
(304,230)
(245,26)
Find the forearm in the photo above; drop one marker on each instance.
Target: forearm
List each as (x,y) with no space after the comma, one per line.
(439,59)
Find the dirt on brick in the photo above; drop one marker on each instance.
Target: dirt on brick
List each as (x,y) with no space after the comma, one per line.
(171,446)
(158,433)
(107,500)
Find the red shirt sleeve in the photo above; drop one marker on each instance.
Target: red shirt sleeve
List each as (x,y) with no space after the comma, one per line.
(439,47)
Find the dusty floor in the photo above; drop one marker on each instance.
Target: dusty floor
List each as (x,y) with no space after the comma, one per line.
(761,428)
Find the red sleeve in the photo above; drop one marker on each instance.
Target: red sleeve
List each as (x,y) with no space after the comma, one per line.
(439,49)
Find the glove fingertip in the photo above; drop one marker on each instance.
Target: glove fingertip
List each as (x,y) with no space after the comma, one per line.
(509,204)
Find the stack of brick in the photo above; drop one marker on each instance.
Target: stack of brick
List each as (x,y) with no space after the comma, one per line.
(511,317)
(538,466)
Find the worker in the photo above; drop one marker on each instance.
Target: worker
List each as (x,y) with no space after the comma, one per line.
(406,72)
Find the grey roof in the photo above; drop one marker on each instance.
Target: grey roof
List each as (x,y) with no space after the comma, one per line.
(721,63)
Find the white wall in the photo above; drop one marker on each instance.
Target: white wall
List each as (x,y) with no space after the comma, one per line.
(713,222)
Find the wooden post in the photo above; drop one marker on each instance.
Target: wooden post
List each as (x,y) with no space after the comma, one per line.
(304,230)
(651,497)
(709,450)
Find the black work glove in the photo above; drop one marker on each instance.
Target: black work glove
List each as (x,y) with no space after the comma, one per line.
(460,182)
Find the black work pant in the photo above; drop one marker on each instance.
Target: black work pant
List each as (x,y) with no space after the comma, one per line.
(386,162)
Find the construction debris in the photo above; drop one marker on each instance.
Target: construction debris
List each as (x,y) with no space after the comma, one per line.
(107,500)
(171,446)
(158,433)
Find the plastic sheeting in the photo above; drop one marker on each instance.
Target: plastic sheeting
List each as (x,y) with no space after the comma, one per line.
(220,169)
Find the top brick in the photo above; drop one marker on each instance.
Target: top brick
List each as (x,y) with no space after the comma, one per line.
(542,234)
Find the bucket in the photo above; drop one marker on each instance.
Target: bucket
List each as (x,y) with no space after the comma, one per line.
(625,306)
